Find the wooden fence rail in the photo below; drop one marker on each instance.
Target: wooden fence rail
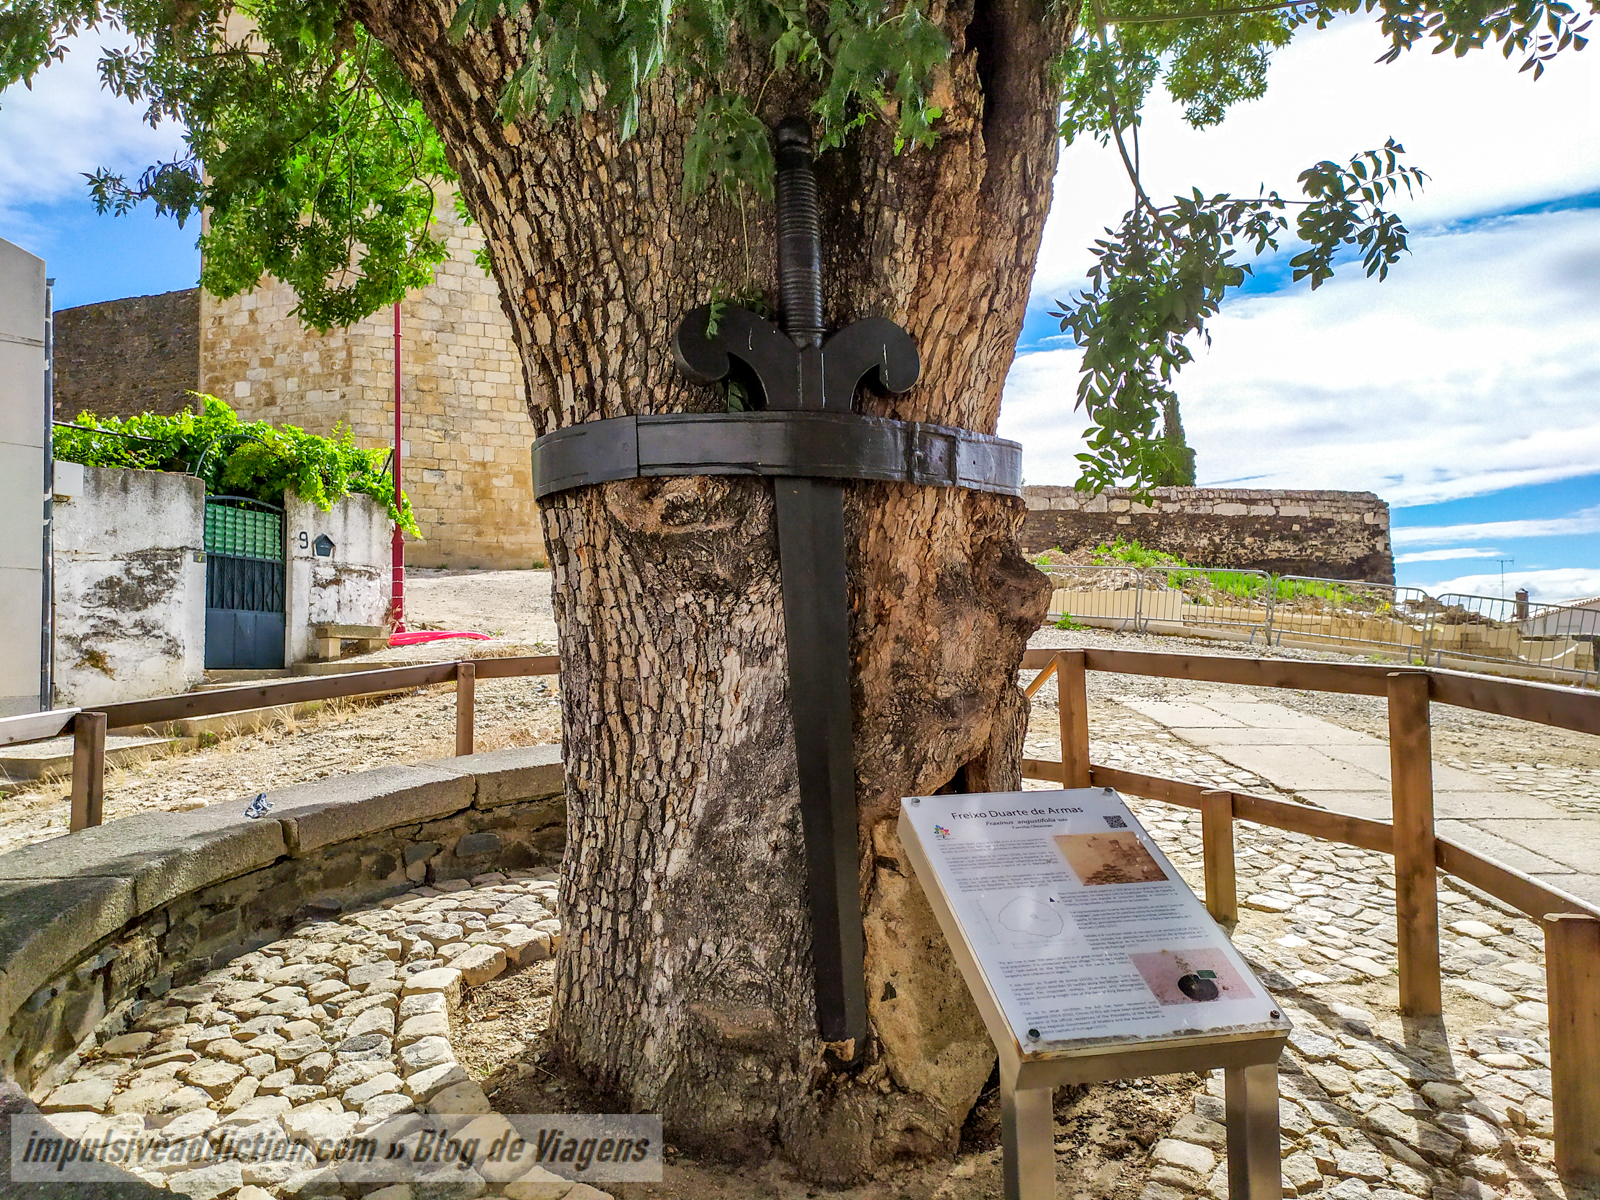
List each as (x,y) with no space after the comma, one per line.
(1572,926)
(88,728)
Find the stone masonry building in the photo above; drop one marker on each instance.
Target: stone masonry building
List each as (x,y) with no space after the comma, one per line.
(466,430)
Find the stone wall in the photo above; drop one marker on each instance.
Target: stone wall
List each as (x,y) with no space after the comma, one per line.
(1336,535)
(465,422)
(22,426)
(130,586)
(94,925)
(349,587)
(123,357)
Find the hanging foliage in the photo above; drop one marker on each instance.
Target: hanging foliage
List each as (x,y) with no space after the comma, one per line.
(238,458)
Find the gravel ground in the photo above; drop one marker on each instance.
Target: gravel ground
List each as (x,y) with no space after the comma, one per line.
(1554,765)
(338,739)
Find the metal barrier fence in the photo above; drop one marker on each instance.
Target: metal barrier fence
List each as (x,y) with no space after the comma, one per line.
(1340,613)
(1557,638)
(1107,594)
(1212,598)
(1552,641)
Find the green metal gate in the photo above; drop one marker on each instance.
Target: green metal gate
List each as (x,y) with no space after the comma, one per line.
(244,583)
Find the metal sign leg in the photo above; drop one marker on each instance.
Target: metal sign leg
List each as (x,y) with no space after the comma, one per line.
(1027,1136)
(1254,1156)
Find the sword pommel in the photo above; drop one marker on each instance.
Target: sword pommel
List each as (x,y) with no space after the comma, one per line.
(799,235)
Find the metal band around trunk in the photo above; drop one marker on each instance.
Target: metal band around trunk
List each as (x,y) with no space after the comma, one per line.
(787,443)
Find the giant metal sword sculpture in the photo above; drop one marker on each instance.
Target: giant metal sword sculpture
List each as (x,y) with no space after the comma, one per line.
(809,440)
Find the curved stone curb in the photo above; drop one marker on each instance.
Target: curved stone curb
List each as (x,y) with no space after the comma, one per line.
(326,1034)
(92,920)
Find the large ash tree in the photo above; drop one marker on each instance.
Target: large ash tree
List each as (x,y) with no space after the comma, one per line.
(617,159)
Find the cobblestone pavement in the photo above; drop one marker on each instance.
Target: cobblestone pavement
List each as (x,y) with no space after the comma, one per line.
(1523,794)
(1375,1106)
(327,1033)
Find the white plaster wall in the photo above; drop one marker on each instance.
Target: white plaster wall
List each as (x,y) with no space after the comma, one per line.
(130,587)
(350,588)
(21,478)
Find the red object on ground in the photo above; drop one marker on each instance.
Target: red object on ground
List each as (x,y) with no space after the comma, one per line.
(433,635)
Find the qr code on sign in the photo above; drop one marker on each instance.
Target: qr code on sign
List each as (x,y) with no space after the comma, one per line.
(1115,821)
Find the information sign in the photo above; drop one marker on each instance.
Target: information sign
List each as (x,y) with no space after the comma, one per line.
(1082,929)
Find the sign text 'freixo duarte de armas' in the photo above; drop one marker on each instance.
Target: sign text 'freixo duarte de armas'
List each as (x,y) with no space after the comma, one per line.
(1082,929)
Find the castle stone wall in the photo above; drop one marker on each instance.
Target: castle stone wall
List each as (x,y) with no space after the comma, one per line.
(1335,535)
(124,357)
(466,430)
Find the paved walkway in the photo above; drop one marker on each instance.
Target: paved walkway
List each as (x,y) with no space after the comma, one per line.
(1347,771)
(1375,1106)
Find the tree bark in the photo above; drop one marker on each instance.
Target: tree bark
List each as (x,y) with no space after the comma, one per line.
(684,985)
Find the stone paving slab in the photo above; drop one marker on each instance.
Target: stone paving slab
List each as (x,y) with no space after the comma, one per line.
(334,1030)
(1484,841)
(1584,887)
(1346,771)
(1301,767)
(1573,842)
(1478,806)
(1248,735)
(1181,714)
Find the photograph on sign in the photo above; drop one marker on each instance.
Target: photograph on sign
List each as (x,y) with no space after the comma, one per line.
(1083,930)
(1109,858)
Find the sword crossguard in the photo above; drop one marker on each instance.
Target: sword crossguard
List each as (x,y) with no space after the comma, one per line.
(874,351)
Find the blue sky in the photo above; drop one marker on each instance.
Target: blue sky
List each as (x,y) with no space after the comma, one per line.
(1465,390)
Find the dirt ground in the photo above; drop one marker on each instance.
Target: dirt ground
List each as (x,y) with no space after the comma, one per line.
(1102,1134)
(1554,764)
(341,737)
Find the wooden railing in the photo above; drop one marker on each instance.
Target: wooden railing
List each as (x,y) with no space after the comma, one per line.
(1571,925)
(88,728)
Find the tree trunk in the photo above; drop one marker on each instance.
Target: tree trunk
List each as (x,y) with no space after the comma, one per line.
(684,985)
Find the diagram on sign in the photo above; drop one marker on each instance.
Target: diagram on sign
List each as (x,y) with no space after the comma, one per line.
(1025,920)
(1194,976)
(1120,857)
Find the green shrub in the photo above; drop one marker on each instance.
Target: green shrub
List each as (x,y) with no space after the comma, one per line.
(238,458)
(1066,622)
(1135,555)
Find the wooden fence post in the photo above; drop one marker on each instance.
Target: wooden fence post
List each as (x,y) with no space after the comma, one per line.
(88,770)
(466,691)
(1572,973)
(1416,885)
(1073,698)
(1216,839)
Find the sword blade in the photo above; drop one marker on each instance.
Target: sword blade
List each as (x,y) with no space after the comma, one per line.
(816,617)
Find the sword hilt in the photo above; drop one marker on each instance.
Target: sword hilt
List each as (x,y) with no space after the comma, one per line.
(799,235)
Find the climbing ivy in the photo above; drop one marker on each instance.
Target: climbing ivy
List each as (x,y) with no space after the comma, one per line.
(238,458)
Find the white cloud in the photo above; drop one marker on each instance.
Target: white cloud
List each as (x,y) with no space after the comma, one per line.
(1473,368)
(68,125)
(1422,556)
(1488,137)
(1584,521)
(1548,587)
